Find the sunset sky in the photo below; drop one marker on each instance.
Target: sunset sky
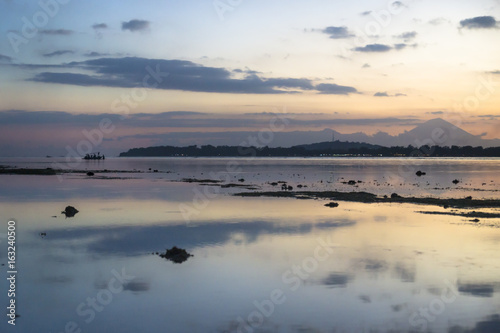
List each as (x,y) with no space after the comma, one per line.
(160,67)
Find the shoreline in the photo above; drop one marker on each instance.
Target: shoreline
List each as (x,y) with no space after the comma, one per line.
(366,197)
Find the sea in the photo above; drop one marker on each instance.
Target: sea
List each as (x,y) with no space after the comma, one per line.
(258,264)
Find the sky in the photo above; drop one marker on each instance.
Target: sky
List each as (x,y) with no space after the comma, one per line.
(141,73)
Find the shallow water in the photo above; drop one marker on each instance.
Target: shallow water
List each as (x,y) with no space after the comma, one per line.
(260,264)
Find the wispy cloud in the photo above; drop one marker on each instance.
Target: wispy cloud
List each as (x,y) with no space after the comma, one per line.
(385,94)
(479,22)
(94,54)
(380,48)
(338,32)
(58,53)
(373,48)
(99,26)
(407,36)
(136,25)
(56,32)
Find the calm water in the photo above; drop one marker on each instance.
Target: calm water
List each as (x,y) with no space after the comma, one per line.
(260,264)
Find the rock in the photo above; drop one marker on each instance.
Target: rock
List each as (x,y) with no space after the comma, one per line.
(475,220)
(351,182)
(456,181)
(274,184)
(299,186)
(395,195)
(420,173)
(90,173)
(155,170)
(176,255)
(241,180)
(70,211)
(332,205)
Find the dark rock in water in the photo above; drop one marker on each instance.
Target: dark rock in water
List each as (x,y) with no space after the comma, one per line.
(420,173)
(155,170)
(176,255)
(456,181)
(299,186)
(70,211)
(395,195)
(475,220)
(90,173)
(332,205)
(352,182)
(274,184)
(241,180)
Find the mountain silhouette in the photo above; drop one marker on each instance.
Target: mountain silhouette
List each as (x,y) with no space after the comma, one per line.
(436,131)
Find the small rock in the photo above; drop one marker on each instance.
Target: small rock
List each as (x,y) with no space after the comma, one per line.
(456,181)
(90,173)
(395,195)
(351,182)
(241,180)
(475,220)
(420,173)
(70,211)
(176,255)
(332,205)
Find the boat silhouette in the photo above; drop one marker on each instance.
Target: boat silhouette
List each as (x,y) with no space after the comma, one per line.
(97,156)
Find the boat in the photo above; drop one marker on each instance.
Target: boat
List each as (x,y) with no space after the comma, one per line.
(97,156)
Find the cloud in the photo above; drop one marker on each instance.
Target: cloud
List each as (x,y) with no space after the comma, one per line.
(338,32)
(58,53)
(366,66)
(98,26)
(407,36)
(435,112)
(479,22)
(366,13)
(4,58)
(57,32)
(373,48)
(183,75)
(438,21)
(495,72)
(129,72)
(334,89)
(398,4)
(385,94)
(185,119)
(135,25)
(95,54)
